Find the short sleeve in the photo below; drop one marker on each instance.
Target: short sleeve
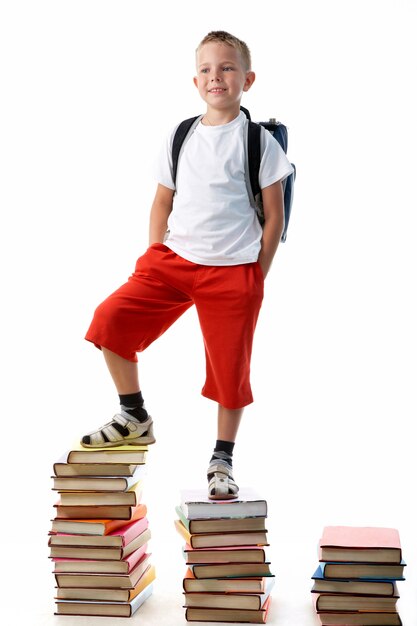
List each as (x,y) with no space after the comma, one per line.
(163,164)
(275,165)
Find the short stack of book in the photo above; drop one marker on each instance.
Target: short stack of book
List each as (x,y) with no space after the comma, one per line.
(100,533)
(356,580)
(228,576)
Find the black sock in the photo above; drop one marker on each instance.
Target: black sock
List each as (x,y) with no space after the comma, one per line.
(223,446)
(132,403)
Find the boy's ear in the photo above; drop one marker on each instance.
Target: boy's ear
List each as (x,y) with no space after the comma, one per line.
(250,79)
(195,81)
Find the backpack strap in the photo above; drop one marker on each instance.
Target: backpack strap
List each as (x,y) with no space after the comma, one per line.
(182,134)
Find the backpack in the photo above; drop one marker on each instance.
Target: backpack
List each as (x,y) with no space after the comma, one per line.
(253,161)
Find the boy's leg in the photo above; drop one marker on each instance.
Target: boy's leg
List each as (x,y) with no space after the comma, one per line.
(219,473)
(228,421)
(228,304)
(126,323)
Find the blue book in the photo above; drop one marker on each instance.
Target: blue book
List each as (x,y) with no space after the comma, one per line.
(377,587)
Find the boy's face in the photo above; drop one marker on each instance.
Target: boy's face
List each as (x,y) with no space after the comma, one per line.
(221,76)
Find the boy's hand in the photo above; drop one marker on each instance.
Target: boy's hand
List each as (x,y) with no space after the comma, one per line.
(273,203)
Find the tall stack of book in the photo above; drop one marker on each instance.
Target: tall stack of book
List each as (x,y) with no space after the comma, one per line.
(100,533)
(356,580)
(228,576)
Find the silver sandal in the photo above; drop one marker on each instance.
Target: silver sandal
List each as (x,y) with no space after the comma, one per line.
(122,430)
(221,483)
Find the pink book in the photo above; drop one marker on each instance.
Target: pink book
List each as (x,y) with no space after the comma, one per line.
(360,544)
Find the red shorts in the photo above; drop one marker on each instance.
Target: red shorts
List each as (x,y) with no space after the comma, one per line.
(163,286)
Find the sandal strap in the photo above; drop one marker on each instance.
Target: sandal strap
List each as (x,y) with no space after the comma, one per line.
(112,434)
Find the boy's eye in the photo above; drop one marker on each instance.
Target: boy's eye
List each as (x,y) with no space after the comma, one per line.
(204,70)
(227,69)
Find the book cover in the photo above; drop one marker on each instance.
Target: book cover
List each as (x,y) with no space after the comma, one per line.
(94,566)
(95,526)
(131,497)
(111,595)
(351,586)
(250,601)
(98,483)
(109,609)
(362,544)
(222,525)
(195,504)
(194,614)
(104,581)
(231,585)
(213,540)
(101,553)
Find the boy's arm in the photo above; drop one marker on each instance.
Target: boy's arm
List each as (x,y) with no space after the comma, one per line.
(273,204)
(160,210)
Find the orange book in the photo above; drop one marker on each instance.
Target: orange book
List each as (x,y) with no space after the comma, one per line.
(95,526)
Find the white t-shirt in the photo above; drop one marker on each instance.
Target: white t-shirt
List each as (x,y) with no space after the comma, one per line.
(212,221)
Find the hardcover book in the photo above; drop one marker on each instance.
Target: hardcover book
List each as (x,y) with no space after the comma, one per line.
(250,601)
(100,553)
(195,504)
(108,609)
(334,602)
(119,538)
(242,554)
(116,511)
(362,544)
(110,595)
(352,586)
(90,566)
(230,585)
(95,526)
(200,614)
(98,483)
(213,540)
(222,525)
(104,581)
(359,619)
(234,570)
(363,570)
(119,454)
(131,497)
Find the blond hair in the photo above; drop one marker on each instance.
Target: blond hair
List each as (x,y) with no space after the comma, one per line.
(221,36)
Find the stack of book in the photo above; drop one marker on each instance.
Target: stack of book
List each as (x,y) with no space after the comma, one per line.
(100,533)
(356,580)
(228,576)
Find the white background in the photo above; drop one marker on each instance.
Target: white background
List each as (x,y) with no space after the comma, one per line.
(89,91)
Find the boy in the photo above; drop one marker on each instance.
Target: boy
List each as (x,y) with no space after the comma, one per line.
(206,247)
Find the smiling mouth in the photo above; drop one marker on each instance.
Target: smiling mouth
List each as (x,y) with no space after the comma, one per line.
(217,90)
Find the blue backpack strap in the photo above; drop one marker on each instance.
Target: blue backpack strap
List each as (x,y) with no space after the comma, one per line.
(181,134)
